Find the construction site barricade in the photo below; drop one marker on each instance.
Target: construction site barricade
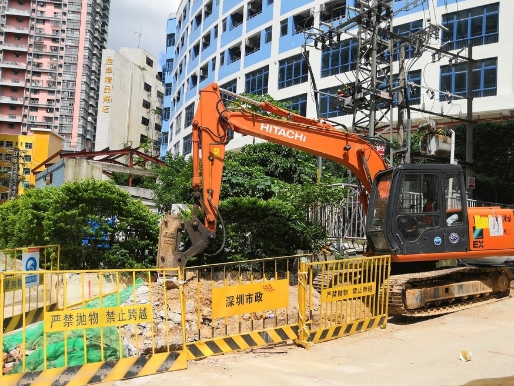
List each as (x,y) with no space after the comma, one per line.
(24,308)
(241,305)
(342,297)
(126,323)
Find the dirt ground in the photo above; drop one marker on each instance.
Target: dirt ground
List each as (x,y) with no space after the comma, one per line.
(421,352)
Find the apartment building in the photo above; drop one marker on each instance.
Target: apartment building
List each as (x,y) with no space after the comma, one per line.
(131,99)
(255,46)
(50,67)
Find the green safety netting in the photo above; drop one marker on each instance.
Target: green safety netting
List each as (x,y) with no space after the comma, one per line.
(73,350)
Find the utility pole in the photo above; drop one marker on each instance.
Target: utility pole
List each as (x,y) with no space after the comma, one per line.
(469,125)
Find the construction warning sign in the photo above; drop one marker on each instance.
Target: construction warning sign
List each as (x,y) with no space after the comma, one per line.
(248,298)
(97,317)
(347,292)
(13,283)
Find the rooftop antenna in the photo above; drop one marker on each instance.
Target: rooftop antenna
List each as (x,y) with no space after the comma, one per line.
(139,37)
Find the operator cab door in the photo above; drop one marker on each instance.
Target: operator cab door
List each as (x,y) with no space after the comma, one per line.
(429,217)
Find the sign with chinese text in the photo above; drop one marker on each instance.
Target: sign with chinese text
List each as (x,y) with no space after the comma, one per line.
(97,317)
(248,298)
(347,292)
(13,283)
(30,262)
(106,97)
(471,182)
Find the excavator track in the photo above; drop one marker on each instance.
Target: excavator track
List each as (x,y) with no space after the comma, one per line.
(398,284)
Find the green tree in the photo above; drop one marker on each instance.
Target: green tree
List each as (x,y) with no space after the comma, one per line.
(96,224)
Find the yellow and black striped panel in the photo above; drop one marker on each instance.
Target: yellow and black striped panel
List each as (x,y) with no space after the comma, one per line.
(202,349)
(100,372)
(345,329)
(14,322)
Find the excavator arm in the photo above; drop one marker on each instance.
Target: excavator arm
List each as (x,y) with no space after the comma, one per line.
(213,125)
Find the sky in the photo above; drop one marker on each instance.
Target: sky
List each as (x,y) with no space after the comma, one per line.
(129,16)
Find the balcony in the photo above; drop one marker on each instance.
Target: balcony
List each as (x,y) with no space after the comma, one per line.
(14,47)
(17,12)
(11,100)
(10,82)
(10,118)
(18,30)
(9,64)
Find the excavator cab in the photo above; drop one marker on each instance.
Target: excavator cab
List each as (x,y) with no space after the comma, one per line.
(418,209)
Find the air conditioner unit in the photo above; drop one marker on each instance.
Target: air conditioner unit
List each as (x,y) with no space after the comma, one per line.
(206,40)
(312,11)
(249,43)
(203,73)
(252,7)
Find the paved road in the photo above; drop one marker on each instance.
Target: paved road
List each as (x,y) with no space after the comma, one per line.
(420,353)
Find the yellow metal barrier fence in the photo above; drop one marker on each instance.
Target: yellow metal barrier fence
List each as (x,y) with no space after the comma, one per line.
(342,297)
(236,306)
(135,329)
(24,310)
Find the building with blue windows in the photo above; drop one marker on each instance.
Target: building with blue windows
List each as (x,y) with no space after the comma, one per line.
(255,46)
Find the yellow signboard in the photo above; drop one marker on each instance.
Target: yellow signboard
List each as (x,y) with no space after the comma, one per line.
(248,298)
(97,317)
(347,292)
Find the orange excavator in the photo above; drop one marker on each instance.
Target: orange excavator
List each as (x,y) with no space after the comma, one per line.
(416,213)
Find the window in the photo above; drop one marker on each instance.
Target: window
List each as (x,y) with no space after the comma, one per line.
(339,57)
(268,34)
(332,10)
(7,157)
(189,114)
(4,196)
(405,30)
(149,62)
(13,107)
(236,19)
(195,51)
(145,121)
(298,104)
(207,9)
(413,92)
(1,155)
(176,147)
(167,89)
(166,114)
(147,87)
(16,55)
(283,27)
(453,202)
(327,107)
(417,205)
(222,58)
(215,32)
(14,89)
(9,144)
(224,25)
(146,104)
(475,26)
(253,44)
(178,123)
(230,86)
(254,8)
(213,64)
(157,127)
(27,158)
(197,20)
(234,53)
(302,21)
(256,82)
(454,79)
(292,71)
(1,143)
(170,40)
(187,145)
(206,40)
(15,72)
(193,81)
(28,145)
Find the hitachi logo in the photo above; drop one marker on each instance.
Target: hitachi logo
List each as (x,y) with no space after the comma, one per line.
(277,130)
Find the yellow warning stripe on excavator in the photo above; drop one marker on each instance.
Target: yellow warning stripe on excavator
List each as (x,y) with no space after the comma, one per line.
(100,371)
(334,332)
(202,349)
(14,322)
